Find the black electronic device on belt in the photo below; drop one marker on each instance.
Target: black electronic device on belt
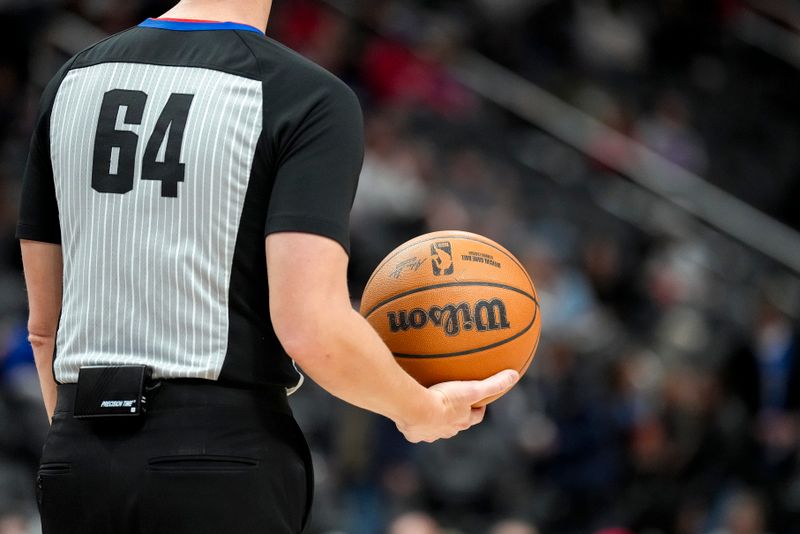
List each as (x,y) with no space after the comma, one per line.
(111,391)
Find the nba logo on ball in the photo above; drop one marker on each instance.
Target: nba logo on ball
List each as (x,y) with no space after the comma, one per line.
(442,258)
(474,313)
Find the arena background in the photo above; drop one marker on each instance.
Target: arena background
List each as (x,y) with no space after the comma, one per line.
(639,156)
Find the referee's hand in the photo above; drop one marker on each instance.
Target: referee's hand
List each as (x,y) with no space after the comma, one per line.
(451,407)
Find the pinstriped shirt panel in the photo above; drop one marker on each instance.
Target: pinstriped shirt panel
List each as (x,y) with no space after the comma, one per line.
(146,276)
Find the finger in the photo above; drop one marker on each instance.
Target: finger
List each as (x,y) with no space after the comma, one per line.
(477,415)
(494,385)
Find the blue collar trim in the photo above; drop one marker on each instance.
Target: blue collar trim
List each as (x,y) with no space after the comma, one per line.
(197,26)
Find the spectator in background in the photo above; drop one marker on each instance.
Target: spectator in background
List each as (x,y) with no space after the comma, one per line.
(668,131)
(610,266)
(414,523)
(743,513)
(563,290)
(763,375)
(513,526)
(22,428)
(390,187)
(317,33)
(608,35)
(585,467)
(407,77)
(13,524)
(392,195)
(609,152)
(460,478)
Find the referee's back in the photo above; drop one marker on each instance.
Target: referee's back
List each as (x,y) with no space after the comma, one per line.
(161,158)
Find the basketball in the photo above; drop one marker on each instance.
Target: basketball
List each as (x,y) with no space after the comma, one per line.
(453,305)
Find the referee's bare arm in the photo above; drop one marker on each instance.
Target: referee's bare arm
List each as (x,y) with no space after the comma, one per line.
(43,271)
(338,349)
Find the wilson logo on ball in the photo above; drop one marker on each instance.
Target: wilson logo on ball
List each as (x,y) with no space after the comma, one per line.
(484,316)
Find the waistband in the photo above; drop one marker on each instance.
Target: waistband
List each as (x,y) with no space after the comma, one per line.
(171,394)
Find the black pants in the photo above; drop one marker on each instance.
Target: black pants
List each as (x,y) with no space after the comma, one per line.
(204,459)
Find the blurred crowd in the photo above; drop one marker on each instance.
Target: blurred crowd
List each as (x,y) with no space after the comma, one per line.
(665,392)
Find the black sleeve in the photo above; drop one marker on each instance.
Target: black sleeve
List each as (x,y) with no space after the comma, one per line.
(318,150)
(38,210)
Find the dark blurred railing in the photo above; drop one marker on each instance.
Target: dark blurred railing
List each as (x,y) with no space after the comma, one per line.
(648,169)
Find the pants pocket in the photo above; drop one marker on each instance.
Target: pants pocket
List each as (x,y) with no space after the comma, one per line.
(58,498)
(201,463)
(214,494)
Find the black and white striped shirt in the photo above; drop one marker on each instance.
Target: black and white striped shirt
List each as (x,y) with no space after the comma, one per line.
(161,158)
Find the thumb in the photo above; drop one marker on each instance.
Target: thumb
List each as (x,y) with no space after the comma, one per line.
(494,385)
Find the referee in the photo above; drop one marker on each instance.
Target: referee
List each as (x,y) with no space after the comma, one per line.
(184,233)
